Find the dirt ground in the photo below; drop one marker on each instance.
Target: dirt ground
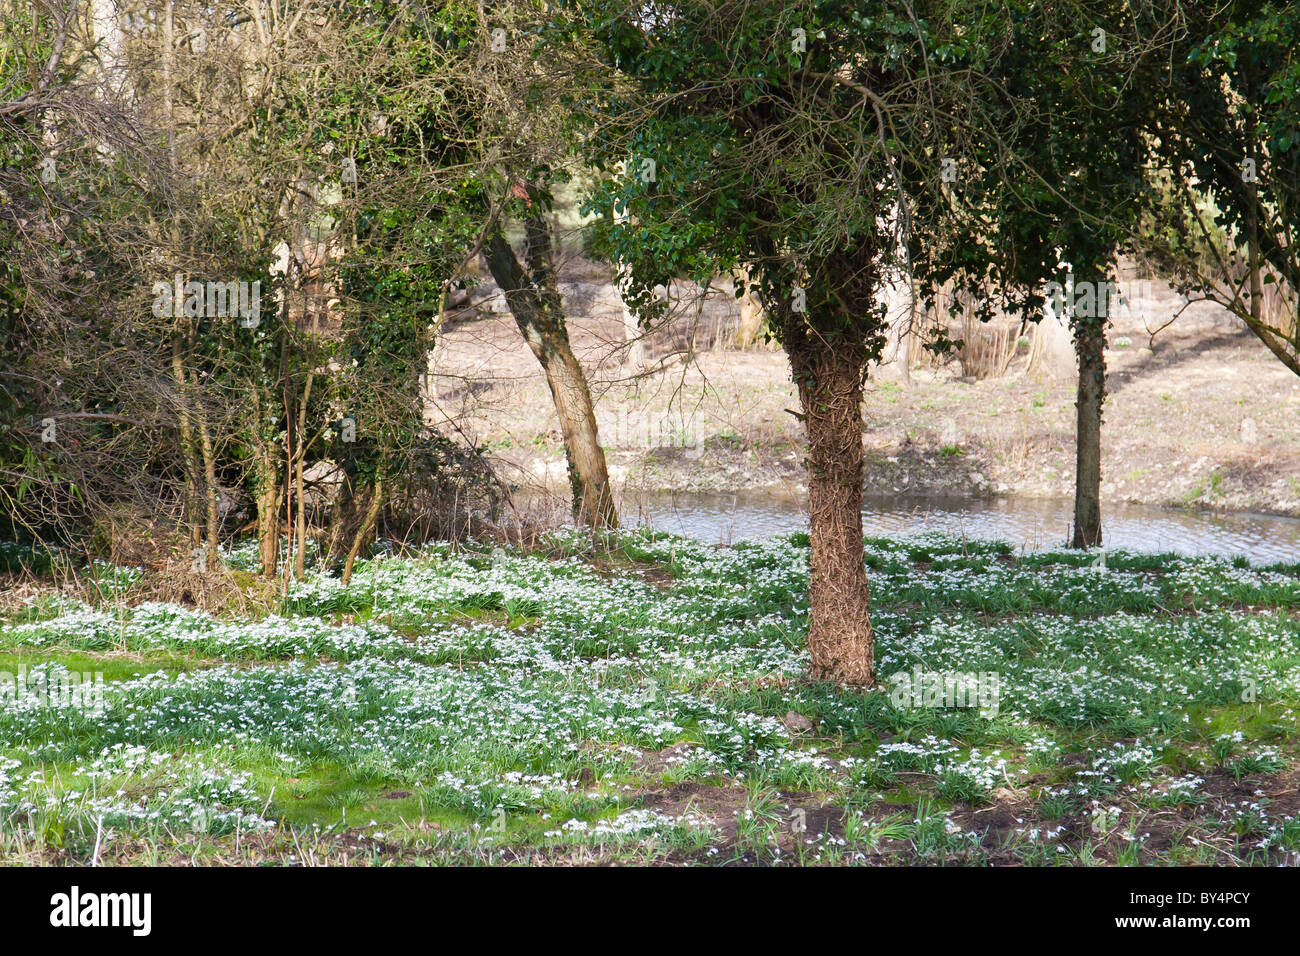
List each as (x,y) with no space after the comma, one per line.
(1200,415)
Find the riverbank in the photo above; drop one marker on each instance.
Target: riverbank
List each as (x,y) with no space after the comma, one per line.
(1199,415)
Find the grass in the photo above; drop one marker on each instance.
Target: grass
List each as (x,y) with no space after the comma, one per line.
(631,698)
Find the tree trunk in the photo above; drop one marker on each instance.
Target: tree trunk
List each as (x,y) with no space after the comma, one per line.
(300,558)
(189,453)
(367,525)
(535,304)
(1090,344)
(829,374)
(634,358)
(212,543)
(110,42)
(751,316)
(268,506)
(1051,354)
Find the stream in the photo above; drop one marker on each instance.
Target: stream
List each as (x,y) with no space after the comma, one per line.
(1026,523)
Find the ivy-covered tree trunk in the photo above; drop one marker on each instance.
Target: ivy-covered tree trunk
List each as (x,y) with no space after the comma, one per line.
(828,371)
(1090,346)
(267,490)
(535,304)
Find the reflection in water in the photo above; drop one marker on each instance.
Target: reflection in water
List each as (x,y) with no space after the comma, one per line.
(1024,522)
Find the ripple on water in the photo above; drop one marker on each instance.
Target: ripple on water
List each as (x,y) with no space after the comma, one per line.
(1026,523)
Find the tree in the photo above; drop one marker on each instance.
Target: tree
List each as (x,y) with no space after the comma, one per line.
(1228,139)
(1078,161)
(534,301)
(76,171)
(512,95)
(471,117)
(225,147)
(807,142)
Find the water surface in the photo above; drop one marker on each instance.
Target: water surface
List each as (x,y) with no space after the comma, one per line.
(1023,522)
